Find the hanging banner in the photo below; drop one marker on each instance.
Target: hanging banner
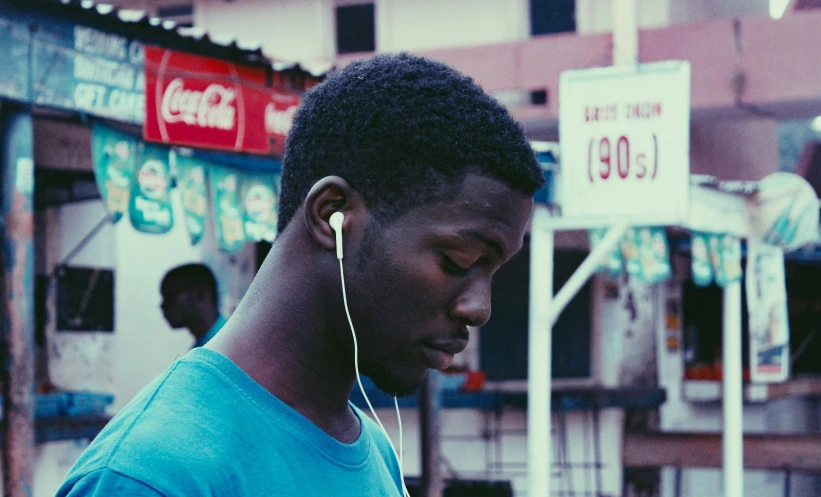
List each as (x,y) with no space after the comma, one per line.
(113,156)
(191,182)
(203,102)
(630,253)
(279,115)
(613,262)
(643,253)
(654,255)
(228,216)
(726,254)
(702,265)
(150,206)
(259,201)
(767,308)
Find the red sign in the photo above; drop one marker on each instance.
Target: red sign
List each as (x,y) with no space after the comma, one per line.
(202,102)
(279,114)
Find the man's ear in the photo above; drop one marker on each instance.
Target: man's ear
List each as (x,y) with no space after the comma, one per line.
(328,195)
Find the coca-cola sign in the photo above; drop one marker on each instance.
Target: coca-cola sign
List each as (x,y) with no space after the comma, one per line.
(213,108)
(279,114)
(202,102)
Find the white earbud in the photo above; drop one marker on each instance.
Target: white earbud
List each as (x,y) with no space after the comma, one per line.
(336,225)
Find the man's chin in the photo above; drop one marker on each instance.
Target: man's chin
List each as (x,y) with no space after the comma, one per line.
(395,387)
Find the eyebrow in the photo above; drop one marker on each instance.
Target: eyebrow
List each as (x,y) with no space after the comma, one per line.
(490,242)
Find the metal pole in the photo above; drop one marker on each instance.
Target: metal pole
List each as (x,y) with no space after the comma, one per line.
(430,410)
(544,310)
(625,33)
(733,395)
(18,309)
(539,354)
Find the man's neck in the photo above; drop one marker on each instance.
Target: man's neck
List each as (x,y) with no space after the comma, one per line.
(279,337)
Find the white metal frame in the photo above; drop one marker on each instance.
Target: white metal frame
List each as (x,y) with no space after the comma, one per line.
(710,211)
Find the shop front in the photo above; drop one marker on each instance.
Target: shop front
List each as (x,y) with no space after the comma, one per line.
(129,147)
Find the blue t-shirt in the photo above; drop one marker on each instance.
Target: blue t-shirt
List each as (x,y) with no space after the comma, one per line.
(205,428)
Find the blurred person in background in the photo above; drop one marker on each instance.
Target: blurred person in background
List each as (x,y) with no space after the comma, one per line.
(189,300)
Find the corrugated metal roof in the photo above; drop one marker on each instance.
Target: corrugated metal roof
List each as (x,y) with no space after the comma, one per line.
(250,51)
(162,31)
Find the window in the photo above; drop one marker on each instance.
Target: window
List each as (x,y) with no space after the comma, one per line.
(182,14)
(703,324)
(85,299)
(552,16)
(503,342)
(355,30)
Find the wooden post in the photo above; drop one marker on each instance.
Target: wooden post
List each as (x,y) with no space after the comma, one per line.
(18,309)
(430,409)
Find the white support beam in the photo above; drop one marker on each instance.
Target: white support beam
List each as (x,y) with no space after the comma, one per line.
(733,399)
(585,271)
(540,328)
(544,310)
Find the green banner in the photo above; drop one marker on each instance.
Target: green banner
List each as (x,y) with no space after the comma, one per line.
(150,205)
(191,182)
(113,154)
(259,202)
(702,259)
(613,263)
(227,211)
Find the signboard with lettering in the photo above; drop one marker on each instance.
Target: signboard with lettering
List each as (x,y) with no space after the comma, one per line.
(150,206)
(88,70)
(14,50)
(72,66)
(624,138)
(203,102)
(279,114)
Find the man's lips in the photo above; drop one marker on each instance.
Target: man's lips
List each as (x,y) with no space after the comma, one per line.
(439,353)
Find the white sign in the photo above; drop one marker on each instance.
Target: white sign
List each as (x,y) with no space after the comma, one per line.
(625,140)
(767,308)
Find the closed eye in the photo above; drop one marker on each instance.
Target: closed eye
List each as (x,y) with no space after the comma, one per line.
(452,268)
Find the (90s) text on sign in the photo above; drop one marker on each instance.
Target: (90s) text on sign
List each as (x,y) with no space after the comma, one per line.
(624,138)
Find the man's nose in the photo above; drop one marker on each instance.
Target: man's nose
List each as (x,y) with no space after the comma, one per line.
(472,307)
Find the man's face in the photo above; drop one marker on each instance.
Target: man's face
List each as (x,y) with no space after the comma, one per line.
(418,282)
(174,306)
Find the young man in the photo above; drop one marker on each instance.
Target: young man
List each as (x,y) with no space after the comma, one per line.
(189,300)
(435,182)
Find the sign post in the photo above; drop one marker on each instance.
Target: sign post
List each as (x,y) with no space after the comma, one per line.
(625,135)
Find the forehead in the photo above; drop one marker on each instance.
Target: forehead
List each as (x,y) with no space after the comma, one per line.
(175,287)
(485,209)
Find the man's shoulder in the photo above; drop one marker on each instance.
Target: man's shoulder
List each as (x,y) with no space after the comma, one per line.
(105,482)
(168,435)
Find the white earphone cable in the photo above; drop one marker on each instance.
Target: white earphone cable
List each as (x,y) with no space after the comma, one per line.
(399,421)
(362,389)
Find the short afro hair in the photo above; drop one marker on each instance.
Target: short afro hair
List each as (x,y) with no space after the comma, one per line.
(189,277)
(404,131)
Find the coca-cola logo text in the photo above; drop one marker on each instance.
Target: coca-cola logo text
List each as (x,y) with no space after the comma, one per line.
(215,107)
(277,121)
